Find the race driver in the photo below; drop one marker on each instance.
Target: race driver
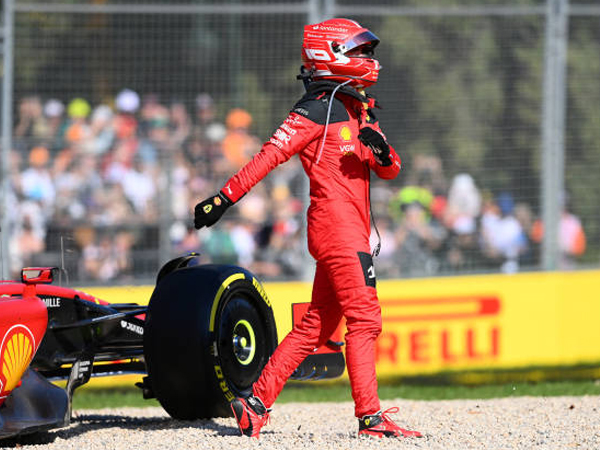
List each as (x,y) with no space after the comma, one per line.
(334,132)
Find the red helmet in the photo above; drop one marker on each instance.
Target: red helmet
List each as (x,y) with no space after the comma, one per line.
(341,50)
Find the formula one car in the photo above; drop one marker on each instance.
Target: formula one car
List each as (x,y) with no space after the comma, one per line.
(203,339)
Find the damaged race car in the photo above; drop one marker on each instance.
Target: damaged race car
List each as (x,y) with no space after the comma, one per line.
(204,337)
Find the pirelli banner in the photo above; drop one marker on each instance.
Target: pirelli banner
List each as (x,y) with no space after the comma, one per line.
(492,321)
(481,322)
(463,323)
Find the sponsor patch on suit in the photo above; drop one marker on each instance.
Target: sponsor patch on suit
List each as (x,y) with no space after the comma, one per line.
(366,262)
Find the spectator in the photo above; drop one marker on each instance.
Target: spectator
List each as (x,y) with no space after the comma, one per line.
(463,203)
(503,237)
(239,145)
(28,238)
(180,123)
(87,173)
(119,161)
(218,245)
(462,252)
(411,194)
(244,230)
(78,132)
(179,186)
(31,129)
(111,207)
(155,143)
(524,215)
(210,131)
(36,182)
(102,132)
(68,208)
(415,240)
(55,124)
(147,111)
(203,149)
(283,249)
(139,188)
(127,103)
(572,240)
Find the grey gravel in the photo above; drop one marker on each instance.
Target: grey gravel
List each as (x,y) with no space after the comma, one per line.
(509,423)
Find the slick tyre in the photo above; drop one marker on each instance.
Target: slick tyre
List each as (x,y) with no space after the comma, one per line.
(209,331)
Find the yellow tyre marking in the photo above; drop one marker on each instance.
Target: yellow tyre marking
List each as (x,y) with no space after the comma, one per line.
(225,285)
(248,327)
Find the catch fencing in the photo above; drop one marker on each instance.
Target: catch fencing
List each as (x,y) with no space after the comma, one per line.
(118,116)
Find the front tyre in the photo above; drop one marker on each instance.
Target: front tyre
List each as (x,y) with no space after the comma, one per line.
(209,332)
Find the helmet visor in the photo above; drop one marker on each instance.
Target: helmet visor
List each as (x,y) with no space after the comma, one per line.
(365,39)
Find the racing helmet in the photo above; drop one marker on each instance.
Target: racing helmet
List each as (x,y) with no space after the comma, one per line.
(341,50)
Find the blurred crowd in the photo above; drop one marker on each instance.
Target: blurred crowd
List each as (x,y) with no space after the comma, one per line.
(437,226)
(113,186)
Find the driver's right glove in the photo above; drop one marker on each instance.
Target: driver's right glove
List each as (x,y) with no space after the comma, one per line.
(209,211)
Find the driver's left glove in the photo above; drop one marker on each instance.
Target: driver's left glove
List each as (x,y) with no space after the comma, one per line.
(376,142)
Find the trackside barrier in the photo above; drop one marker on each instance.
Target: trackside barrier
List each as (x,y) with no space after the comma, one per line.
(463,323)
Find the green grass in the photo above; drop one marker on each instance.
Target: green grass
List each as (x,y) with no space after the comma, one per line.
(97,398)
(415,391)
(340,391)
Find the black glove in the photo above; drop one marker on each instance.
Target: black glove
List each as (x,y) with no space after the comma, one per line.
(210,210)
(376,142)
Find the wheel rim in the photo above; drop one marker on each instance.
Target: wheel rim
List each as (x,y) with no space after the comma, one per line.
(244,342)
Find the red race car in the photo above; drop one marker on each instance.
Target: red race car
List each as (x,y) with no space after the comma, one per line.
(204,337)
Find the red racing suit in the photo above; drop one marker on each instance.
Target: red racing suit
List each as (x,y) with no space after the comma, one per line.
(338,165)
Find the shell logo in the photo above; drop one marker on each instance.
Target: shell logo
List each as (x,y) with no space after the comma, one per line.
(345,133)
(17,351)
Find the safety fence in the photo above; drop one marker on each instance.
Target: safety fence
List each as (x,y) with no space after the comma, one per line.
(118,116)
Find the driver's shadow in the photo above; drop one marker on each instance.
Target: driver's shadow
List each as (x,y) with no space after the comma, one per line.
(81,423)
(85,423)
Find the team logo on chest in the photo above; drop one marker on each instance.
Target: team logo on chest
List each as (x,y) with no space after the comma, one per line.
(346,146)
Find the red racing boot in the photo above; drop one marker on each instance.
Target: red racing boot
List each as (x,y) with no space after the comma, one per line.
(381,425)
(251,415)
